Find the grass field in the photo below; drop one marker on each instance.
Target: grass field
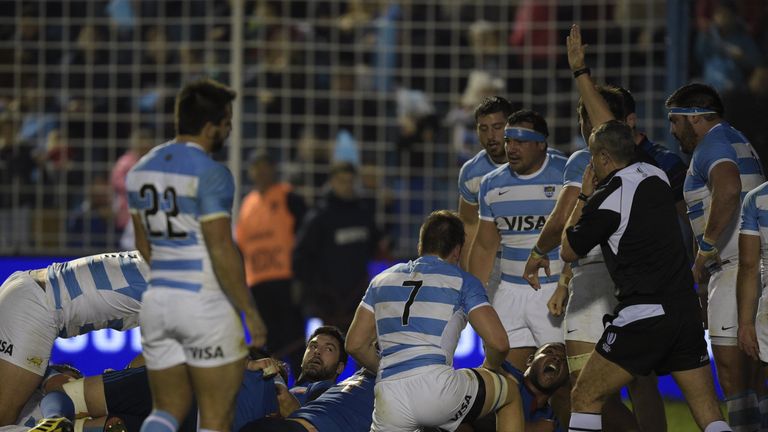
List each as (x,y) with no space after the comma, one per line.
(679,417)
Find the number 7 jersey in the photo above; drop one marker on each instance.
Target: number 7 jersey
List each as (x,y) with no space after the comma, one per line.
(173,189)
(420,308)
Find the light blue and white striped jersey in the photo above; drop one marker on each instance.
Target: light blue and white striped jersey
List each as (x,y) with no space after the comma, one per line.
(754,221)
(574,173)
(420,308)
(174,188)
(472,172)
(722,143)
(96,292)
(519,206)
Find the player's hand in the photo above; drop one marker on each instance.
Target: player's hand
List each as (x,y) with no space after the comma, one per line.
(532,266)
(256,328)
(748,340)
(269,365)
(575,49)
(703,259)
(588,181)
(285,400)
(556,303)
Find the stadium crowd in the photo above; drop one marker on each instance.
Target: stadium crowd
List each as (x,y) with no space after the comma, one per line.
(581,274)
(301,58)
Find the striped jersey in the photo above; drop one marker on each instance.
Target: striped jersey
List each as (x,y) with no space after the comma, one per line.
(574,173)
(519,205)
(722,143)
(754,221)
(472,172)
(96,292)
(420,308)
(175,188)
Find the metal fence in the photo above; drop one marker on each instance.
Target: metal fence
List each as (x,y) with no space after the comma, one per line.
(388,85)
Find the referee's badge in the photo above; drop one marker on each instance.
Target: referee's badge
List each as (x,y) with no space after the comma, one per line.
(549,191)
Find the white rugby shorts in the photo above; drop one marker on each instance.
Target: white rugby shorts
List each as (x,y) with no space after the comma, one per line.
(524,314)
(27,323)
(591,296)
(437,397)
(201,329)
(722,313)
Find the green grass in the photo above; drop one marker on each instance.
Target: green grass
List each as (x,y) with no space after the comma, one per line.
(679,417)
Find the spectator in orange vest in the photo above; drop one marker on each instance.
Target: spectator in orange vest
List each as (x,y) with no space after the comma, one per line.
(269,217)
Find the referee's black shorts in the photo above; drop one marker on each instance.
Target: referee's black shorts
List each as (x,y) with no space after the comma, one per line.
(656,338)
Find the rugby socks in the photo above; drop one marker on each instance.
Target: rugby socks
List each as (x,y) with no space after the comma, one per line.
(763,406)
(160,421)
(585,422)
(718,426)
(743,412)
(57,404)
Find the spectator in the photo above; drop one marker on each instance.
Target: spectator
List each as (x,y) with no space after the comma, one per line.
(269,217)
(141,143)
(333,249)
(725,50)
(91,224)
(745,109)
(461,119)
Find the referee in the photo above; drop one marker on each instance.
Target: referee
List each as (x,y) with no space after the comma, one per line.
(657,325)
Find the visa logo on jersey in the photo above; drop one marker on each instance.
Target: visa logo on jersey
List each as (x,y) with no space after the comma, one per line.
(521,223)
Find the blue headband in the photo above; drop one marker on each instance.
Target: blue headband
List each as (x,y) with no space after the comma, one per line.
(689,111)
(523,134)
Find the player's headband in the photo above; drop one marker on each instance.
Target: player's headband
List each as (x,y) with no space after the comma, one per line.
(690,111)
(523,134)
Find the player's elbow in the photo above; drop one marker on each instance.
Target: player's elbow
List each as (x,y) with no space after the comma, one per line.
(356,345)
(499,342)
(567,254)
(353,347)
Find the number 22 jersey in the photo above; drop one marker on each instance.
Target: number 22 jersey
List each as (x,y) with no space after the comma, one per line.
(175,188)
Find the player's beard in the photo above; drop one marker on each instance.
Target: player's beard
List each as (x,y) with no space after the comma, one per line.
(686,136)
(313,374)
(218,144)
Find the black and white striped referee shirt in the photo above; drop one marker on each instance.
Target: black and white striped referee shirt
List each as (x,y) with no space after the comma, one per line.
(632,217)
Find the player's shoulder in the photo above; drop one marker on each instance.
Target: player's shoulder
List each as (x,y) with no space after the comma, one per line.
(390,272)
(718,141)
(497,174)
(557,161)
(479,165)
(758,192)
(470,280)
(580,156)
